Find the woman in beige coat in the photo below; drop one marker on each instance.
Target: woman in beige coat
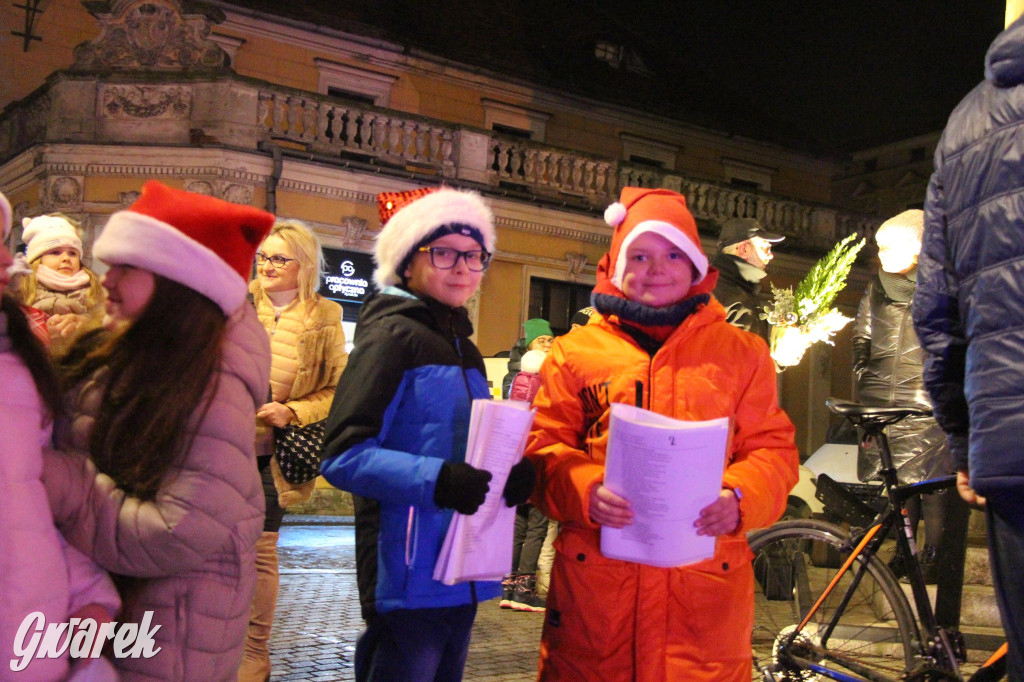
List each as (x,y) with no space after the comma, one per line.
(307,357)
(157,480)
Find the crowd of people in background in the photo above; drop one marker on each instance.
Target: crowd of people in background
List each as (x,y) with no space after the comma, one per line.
(140,412)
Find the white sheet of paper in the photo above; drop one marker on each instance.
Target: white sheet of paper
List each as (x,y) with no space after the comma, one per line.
(479,547)
(669,470)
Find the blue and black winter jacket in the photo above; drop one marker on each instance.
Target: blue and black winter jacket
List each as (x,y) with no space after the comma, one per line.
(401,410)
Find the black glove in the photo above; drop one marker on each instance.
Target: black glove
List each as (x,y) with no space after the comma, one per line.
(519,486)
(461,487)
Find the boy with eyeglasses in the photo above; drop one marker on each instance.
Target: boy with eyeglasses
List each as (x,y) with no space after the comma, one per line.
(396,435)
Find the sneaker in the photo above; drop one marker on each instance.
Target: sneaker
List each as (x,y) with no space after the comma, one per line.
(525,597)
(508,588)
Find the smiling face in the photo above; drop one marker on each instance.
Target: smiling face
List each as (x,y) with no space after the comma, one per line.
(274,278)
(63,259)
(129,291)
(452,287)
(657,273)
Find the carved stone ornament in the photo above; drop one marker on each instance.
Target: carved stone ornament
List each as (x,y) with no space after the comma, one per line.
(126,199)
(64,191)
(352,229)
(238,194)
(132,102)
(150,34)
(201,187)
(575,263)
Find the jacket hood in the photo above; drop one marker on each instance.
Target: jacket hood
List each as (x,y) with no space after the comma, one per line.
(1004,62)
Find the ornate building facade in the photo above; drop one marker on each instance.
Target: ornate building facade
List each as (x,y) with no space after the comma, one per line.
(312,120)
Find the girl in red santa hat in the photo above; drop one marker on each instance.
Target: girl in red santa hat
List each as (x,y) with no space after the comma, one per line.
(658,340)
(157,480)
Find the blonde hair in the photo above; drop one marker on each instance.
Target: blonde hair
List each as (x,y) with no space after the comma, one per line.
(26,290)
(305,247)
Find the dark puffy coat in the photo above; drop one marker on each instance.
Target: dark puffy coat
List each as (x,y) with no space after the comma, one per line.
(969,307)
(402,409)
(887,358)
(741,298)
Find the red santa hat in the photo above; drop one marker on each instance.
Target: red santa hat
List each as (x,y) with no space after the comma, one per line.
(199,241)
(661,211)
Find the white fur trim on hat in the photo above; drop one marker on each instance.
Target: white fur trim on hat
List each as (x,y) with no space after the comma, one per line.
(47,232)
(5,216)
(669,232)
(412,223)
(142,241)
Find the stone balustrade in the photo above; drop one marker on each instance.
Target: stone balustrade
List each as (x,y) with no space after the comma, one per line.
(244,113)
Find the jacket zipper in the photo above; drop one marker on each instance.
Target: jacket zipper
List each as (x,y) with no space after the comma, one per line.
(469,395)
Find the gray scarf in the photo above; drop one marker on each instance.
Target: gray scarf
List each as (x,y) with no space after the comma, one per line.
(899,287)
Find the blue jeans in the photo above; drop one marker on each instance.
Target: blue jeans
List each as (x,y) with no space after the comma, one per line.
(415,645)
(1005,517)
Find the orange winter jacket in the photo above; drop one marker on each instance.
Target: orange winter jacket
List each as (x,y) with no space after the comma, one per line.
(614,620)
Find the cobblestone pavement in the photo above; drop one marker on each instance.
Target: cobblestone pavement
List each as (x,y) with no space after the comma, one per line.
(318,619)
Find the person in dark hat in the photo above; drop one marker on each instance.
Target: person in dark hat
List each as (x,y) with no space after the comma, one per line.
(744,251)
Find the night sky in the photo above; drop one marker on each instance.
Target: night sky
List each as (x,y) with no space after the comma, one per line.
(828,76)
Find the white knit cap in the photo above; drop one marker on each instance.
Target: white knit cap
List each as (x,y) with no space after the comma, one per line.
(5,216)
(47,232)
(908,225)
(446,211)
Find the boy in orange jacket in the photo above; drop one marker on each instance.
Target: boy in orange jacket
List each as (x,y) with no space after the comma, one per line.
(660,341)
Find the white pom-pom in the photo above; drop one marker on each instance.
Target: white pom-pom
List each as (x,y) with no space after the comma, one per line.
(615,214)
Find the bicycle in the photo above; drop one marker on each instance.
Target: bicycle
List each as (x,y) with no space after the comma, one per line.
(828,607)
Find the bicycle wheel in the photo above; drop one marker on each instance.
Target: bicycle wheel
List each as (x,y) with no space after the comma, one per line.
(794,562)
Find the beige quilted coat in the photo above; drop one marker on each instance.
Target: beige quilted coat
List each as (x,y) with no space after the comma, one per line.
(196,541)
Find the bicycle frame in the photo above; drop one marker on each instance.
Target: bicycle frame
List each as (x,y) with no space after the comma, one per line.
(869,540)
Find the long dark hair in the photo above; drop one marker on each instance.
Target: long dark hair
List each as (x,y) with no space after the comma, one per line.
(158,386)
(31,351)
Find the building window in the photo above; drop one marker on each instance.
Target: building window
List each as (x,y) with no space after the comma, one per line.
(608,52)
(557,301)
(352,96)
(510,119)
(372,87)
(649,153)
(510,131)
(752,176)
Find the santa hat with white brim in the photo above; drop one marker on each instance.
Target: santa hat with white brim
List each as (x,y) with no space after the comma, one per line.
(660,211)
(204,243)
(446,211)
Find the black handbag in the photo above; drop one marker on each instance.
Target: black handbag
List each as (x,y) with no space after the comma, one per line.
(297,449)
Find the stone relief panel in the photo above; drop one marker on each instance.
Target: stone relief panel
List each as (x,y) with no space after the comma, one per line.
(238,194)
(132,102)
(352,230)
(62,193)
(200,187)
(150,34)
(126,199)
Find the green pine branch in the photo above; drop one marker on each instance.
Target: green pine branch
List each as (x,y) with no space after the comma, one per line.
(827,278)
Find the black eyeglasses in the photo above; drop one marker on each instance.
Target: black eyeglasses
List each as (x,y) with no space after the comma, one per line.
(277,260)
(445,258)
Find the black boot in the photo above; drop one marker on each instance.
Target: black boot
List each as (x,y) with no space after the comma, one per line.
(898,563)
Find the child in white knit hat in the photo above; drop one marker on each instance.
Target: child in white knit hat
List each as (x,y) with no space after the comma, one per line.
(397,430)
(54,281)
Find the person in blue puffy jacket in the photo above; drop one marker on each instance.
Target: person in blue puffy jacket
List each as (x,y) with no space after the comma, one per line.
(969,311)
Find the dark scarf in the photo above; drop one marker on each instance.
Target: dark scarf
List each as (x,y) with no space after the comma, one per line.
(899,287)
(648,326)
